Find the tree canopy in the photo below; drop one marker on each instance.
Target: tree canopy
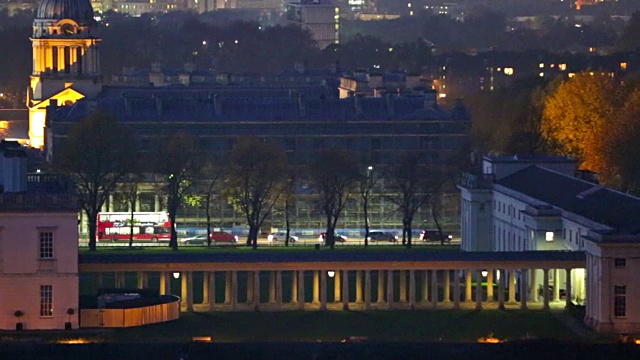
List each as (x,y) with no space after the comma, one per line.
(98,154)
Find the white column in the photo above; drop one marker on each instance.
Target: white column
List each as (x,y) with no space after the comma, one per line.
(533,286)
(568,289)
(227,287)
(187,290)
(447,286)
(467,286)
(490,285)
(501,282)
(163,283)
(556,285)
(316,286)
(359,287)
(512,286)
(336,286)
(294,287)
(425,286)
(272,287)
(403,286)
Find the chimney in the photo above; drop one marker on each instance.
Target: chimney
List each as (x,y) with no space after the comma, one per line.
(158,100)
(216,104)
(302,106)
(390,105)
(357,101)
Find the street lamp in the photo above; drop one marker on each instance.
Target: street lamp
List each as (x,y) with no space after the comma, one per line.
(176,275)
(485,273)
(331,273)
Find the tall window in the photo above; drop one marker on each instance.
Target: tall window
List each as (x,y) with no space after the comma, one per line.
(46,245)
(620,262)
(46,300)
(620,301)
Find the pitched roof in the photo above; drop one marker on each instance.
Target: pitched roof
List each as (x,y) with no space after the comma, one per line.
(592,201)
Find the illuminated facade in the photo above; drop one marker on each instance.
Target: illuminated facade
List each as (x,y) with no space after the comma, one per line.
(65,60)
(39,242)
(537,203)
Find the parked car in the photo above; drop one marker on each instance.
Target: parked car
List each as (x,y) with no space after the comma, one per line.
(216,237)
(338,237)
(281,235)
(382,236)
(223,236)
(194,240)
(434,235)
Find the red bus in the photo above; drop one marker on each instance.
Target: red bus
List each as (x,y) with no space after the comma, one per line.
(147,226)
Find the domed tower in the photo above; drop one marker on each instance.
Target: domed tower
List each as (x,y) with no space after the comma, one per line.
(66,64)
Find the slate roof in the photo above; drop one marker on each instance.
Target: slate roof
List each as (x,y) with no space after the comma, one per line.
(592,201)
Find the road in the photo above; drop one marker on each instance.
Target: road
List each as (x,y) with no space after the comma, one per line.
(262,241)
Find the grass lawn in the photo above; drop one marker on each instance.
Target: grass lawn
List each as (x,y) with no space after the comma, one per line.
(332,326)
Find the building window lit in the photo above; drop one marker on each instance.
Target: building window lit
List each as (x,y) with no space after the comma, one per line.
(571,75)
(46,245)
(548,236)
(620,301)
(541,65)
(508,71)
(620,262)
(46,300)
(623,66)
(562,67)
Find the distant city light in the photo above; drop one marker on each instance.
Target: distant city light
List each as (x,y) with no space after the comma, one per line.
(541,74)
(623,66)
(236,41)
(541,65)
(204,42)
(508,71)
(562,67)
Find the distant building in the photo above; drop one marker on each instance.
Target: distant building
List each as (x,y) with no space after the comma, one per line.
(320,17)
(39,241)
(531,203)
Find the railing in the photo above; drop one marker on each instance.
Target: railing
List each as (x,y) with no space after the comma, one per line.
(12,201)
(116,318)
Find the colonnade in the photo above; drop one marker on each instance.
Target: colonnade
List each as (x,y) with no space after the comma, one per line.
(253,290)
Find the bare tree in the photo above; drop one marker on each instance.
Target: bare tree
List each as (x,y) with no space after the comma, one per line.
(98,153)
(255,181)
(211,175)
(410,187)
(334,174)
(368,181)
(129,189)
(178,161)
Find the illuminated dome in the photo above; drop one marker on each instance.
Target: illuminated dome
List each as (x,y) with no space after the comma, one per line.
(80,11)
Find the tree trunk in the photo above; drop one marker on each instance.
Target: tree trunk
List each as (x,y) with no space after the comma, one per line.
(409,221)
(366,221)
(328,235)
(254,229)
(208,214)
(131,227)
(287,223)
(434,214)
(92,216)
(173,210)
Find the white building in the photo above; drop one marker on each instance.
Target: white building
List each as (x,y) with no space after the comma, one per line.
(518,203)
(38,247)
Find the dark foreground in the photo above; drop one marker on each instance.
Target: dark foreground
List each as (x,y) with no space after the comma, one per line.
(536,349)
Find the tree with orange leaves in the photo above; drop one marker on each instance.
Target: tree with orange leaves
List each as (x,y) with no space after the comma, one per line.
(620,147)
(576,114)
